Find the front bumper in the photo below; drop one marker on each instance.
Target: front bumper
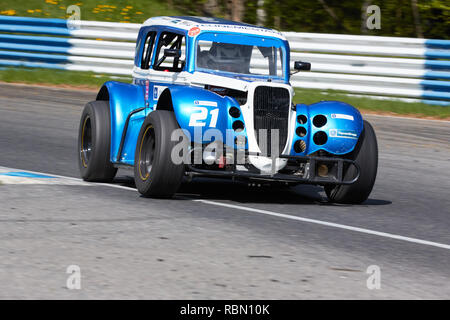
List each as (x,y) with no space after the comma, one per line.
(336,168)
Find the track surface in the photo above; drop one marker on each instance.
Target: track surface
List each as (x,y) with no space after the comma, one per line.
(131,247)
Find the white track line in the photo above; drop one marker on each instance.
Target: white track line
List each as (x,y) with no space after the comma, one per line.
(328,224)
(270,213)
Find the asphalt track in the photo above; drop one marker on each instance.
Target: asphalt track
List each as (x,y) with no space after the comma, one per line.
(215,239)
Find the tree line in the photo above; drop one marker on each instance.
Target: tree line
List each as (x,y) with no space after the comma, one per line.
(401,18)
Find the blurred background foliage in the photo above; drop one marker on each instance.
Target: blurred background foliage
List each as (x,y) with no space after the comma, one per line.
(405,18)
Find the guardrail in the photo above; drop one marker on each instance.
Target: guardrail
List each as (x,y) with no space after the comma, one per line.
(392,67)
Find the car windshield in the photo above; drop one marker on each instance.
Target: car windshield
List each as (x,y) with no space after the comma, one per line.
(239,55)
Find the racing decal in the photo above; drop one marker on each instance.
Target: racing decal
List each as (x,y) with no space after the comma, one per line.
(212,24)
(194,31)
(335,133)
(342,116)
(198,119)
(206,103)
(157,90)
(186,23)
(226,27)
(208,19)
(147,85)
(214,115)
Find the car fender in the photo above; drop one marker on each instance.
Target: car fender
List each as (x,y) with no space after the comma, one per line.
(343,127)
(123,98)
(197,110)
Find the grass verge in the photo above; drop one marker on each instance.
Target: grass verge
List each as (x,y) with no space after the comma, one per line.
(62,78)
(135,11)
(88,80)
(414,109)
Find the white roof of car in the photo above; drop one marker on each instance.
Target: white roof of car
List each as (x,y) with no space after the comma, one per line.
(212,24)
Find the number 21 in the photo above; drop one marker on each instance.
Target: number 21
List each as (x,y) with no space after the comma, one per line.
(198,119)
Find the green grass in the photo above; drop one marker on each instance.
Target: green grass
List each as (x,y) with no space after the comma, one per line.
(308,96)
(53,77)
(92,81)
(136,11)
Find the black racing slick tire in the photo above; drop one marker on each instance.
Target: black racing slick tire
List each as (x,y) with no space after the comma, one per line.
(94,141)
(155,174)
(365,155)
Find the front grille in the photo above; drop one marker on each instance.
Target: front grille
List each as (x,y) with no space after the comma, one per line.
(271,112)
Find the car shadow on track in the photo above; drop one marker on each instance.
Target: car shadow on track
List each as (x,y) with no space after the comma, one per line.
(216,189)
(241,192)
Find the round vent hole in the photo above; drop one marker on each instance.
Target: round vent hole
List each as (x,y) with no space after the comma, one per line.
(235,112)
(300,131)
(320,120)
(320,138)
(238,126)
(301,119)
(299,146)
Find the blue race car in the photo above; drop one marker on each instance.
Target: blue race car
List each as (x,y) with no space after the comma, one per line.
(212,97)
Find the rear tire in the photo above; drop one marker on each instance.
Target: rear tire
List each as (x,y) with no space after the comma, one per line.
(365,155)
(155,174)
(94,141)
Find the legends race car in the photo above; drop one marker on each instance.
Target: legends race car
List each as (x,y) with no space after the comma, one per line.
(212,97)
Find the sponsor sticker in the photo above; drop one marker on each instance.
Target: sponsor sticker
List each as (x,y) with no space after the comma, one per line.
(205,103)
(342,116)
(157,90)
(147,84)
(194,31)
(335,133)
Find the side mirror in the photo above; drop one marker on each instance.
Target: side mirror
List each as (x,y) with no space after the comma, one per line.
(302,66)
(176,53)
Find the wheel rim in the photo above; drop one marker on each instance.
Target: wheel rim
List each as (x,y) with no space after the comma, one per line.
(146,153)
(86,142)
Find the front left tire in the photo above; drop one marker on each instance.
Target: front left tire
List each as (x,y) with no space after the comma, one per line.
(155,173)
(365,155)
